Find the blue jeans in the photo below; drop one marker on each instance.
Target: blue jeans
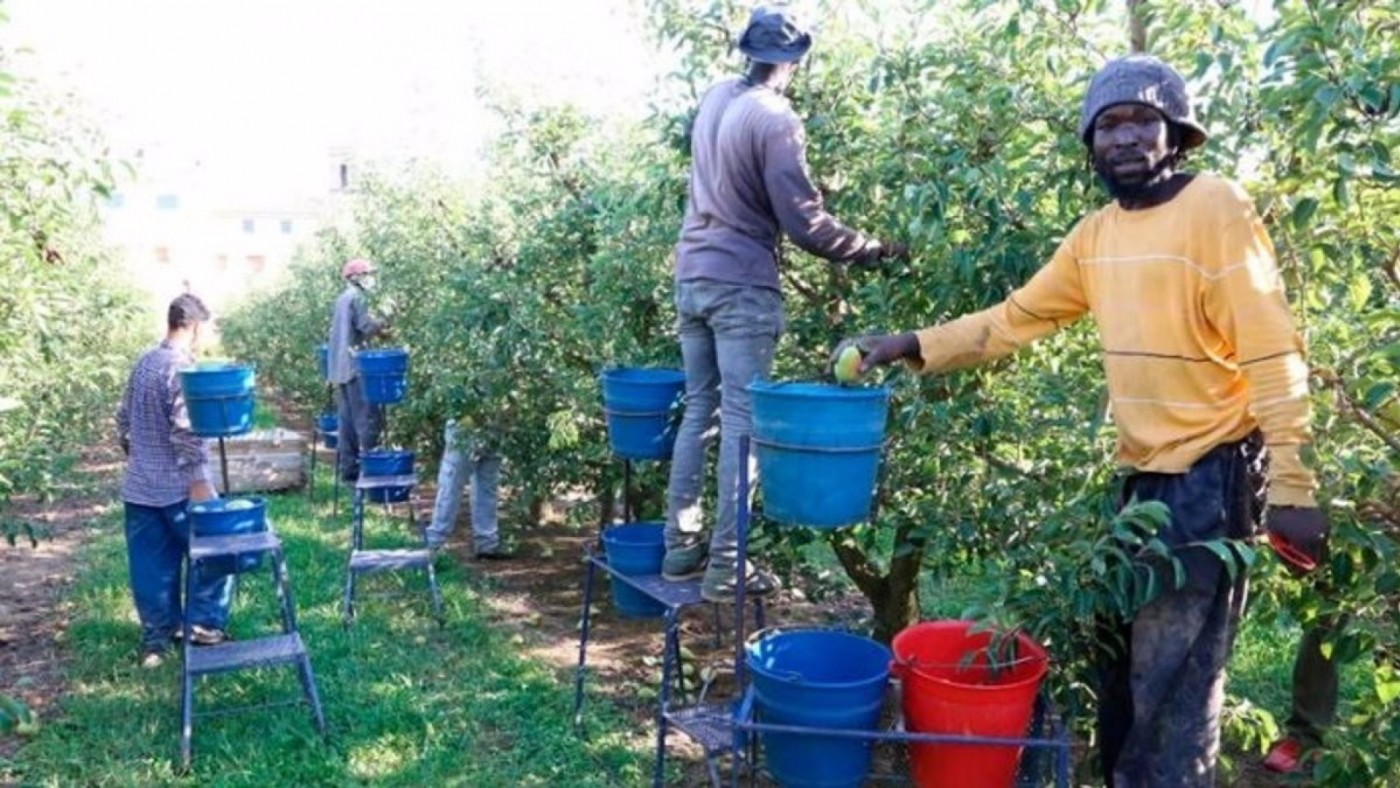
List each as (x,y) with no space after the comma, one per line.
(728,337)
(155,553)
(463,459)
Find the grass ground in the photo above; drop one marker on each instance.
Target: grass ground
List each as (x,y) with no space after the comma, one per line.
(407,703)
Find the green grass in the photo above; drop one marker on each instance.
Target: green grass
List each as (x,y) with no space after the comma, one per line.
(407,703)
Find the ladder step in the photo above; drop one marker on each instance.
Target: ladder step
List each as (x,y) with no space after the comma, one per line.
(214,546)
(709,725)
(263,652)
(389,560)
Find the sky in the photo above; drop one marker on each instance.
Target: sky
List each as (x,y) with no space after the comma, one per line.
(264,89)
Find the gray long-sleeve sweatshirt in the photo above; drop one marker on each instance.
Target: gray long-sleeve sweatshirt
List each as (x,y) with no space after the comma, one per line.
(748,183)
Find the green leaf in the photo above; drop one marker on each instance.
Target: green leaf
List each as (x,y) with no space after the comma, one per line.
(1303,212)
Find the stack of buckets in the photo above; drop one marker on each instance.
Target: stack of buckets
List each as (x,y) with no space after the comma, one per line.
(219,398)
(327,423)
(643,407)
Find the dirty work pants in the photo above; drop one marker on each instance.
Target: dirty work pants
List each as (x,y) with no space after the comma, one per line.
(359,426)
(1160,697)
(462,460)
(155,556)
(728,336)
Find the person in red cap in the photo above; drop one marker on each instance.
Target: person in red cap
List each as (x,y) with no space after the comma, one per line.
(1209,389)
(351,325)
(749,186)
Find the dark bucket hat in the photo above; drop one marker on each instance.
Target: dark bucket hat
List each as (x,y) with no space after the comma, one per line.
(774,36)
(1141,79)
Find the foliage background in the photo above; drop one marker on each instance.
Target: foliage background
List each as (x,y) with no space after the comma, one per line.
(69,325)
(949,125)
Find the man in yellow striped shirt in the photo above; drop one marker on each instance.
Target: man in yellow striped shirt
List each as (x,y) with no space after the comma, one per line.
(1205,370)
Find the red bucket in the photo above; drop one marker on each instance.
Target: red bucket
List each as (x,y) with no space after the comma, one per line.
(945,692)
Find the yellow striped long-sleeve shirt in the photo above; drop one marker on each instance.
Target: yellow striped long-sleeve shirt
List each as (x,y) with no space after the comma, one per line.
(1199,344)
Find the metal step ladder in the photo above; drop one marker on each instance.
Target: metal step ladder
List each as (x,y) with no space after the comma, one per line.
(365,562)
(286,648)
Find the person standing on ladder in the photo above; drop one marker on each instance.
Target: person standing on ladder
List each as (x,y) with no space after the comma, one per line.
(749,184)
(1209,388)
(351,325)
(167,468)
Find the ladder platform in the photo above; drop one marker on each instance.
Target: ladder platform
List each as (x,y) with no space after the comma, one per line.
(202,547)
(378,482)
(262,652)
(684,593)
(711,725)
(390,560)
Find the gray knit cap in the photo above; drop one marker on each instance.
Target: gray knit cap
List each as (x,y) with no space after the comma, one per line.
(1141,79)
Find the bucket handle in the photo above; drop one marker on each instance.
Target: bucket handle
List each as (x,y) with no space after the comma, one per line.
(818,449)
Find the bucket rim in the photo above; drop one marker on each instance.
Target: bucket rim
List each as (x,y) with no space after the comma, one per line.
(900,665)
(219,367)
(812,389)
(610,533)
(792,677)
(671,374)
(381,352)
(204,507)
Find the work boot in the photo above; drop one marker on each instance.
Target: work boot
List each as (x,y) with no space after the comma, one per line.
(719,584)
(684,563)
(1287,756)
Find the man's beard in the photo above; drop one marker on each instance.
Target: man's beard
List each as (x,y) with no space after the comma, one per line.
(1123,190)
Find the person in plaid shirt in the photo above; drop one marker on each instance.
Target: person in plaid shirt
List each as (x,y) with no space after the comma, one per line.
(167,467)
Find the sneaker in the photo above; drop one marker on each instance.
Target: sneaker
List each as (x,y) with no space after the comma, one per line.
(207,636)
(152,657)
(1285,757)
(684,563)
(719,584)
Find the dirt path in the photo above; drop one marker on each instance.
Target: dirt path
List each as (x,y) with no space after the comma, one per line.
(33,614)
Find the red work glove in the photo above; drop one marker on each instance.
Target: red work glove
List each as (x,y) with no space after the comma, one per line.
(1299,536)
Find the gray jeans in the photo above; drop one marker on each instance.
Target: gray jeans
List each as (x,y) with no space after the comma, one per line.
(359,425)
(728,335)
(463,459)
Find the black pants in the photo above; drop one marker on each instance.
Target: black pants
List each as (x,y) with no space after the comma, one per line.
(359,426)
(1161,696)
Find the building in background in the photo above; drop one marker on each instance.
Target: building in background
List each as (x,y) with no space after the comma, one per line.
(182,223)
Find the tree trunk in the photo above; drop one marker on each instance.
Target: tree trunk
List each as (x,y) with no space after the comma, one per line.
(1137,25)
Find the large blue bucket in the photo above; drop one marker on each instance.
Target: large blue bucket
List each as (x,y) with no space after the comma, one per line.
(229,517)
(817,678)
(323,361)
(635,549)
(219,398)
(328,425)
(385,373)
(387,462)
(818,450)
(643,410)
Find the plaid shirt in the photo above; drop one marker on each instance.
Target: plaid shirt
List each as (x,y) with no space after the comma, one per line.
(165,457)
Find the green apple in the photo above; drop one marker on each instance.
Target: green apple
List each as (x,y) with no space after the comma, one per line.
(848,365)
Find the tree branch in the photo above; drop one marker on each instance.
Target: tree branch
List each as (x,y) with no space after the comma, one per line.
(1364,417)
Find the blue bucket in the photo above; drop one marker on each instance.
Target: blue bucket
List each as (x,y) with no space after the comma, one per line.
(219,398)
(323,361)
(635,549)
(229,517)
(642,406)
(385,373)
(387,462)
(327,424)
(818,450)
(817,678)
